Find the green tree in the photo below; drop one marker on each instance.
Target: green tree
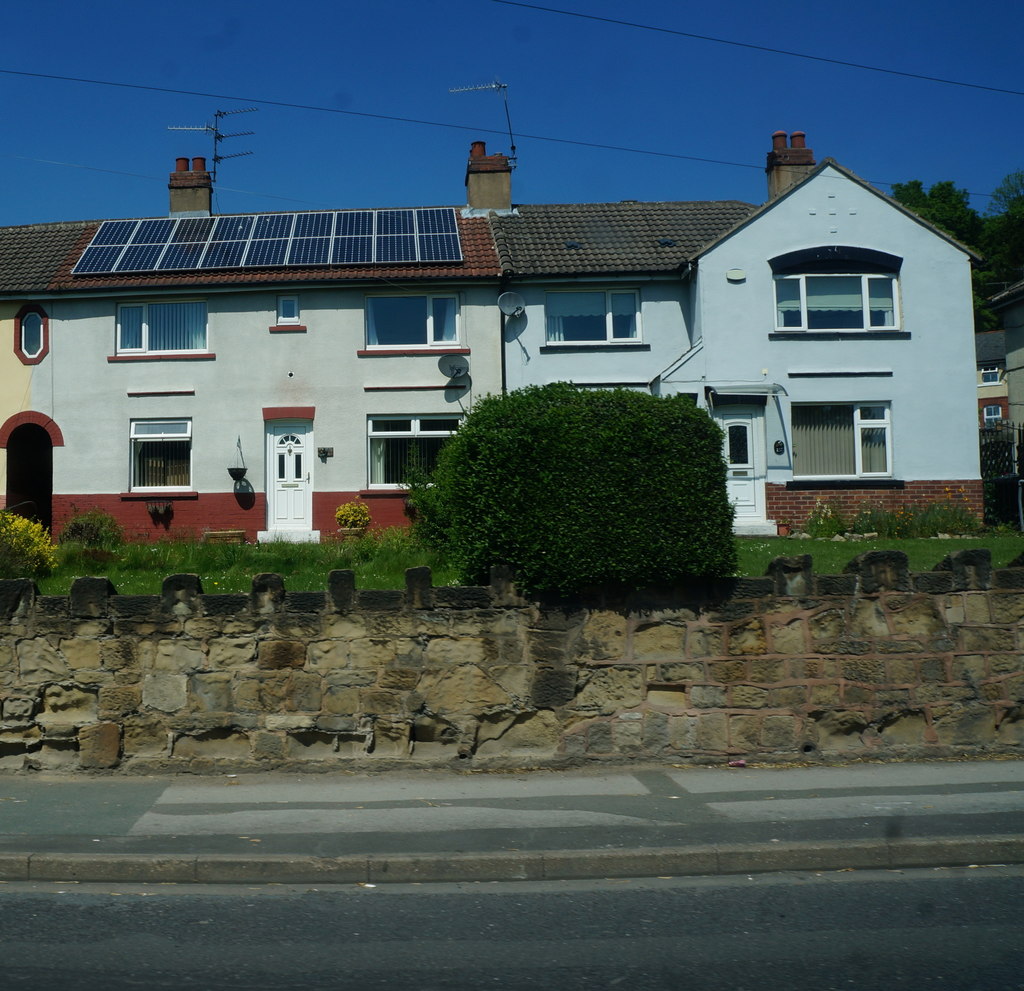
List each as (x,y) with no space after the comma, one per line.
(1003,240)
(575,488)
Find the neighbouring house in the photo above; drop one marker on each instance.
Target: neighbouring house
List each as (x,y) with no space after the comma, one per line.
(993,398)
(1009,305)
(828,331)
(318,351)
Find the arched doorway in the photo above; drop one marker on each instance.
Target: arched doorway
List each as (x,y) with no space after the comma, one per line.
(30,473)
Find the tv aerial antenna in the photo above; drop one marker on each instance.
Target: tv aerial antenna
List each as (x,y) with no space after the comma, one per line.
(499,87)
(219,135)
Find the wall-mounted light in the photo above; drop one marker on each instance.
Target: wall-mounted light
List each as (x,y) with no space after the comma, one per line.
(779,447)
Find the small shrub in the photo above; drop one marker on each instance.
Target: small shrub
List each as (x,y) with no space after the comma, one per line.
(825,520)
(26,550)
(575,488)
(92,528)
(352,515)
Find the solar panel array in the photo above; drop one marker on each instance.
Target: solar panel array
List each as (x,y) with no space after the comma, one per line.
(342,237)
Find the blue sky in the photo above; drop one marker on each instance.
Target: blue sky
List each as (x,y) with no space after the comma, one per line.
(77,150)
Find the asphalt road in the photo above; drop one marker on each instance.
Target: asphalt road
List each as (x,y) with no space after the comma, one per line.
(946,928)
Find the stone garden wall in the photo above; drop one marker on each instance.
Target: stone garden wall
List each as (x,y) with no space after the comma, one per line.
(793,666)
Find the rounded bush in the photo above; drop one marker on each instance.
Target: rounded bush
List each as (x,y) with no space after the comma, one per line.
(352,515)
(92,528)
(575,488)
(26,550)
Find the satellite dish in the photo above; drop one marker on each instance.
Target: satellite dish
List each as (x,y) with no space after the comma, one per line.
(453,366)
(511,304)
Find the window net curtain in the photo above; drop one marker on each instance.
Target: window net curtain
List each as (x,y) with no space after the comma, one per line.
(834,303)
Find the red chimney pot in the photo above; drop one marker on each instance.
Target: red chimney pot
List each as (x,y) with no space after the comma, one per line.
(198,164)
(478,149)
(778,140)
(181,165)
(798,139)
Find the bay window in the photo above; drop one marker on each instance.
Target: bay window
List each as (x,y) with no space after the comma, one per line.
(841,440)
(156,327)
(591,317)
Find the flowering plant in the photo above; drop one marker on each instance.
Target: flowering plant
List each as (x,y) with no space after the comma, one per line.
(352,515)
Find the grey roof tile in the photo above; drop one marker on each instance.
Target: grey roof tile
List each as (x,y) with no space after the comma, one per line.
(630,236)
(31,256)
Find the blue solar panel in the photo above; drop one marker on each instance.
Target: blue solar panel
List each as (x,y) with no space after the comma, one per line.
(224,254)
(266,252)
(114,232)
(353,250)
(139,258)
(346,237)
(314,224)
(310,251)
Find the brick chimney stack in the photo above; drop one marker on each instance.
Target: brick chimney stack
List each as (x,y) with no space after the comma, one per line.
(191,188)
(788,165)
(488,179)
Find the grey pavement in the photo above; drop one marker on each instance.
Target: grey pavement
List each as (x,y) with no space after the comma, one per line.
(434,825)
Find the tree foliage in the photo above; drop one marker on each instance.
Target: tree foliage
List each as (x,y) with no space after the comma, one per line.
(575,488)
(998,236)
(26,550)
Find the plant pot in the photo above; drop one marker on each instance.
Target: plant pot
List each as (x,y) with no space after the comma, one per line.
(347,532)
(237,473)
(784,529)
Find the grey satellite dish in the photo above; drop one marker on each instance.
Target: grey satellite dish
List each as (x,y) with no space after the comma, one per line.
(453,366)
(511,304)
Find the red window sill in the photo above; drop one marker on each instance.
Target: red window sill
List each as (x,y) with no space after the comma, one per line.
(159,496)
(288,328)
(170,356)
(408,352)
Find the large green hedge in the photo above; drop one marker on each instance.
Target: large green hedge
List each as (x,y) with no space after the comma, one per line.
(575,488)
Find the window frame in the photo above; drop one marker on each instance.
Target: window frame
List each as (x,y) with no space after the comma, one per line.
(866,328)
(144,348)
(431,341)
(135,439)
(25,356)
(859,425)
(988,421)
(288,321)
(609,318)
(416,430)
(992,370)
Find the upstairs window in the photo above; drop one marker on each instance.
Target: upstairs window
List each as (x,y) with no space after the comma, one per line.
(841,441)
(31,334)
(287,310)
(146,328)
(161,454)
(835,302)
(411,321)
(396,442)
(591,317)
(990,375)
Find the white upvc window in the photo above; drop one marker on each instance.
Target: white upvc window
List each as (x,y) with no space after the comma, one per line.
(412,321)
(842,440)
(147,328)
(990,375)
(836,302)
(32,334)
(161,454)
(992,415)
(287,310)
(396,442)
(592,317)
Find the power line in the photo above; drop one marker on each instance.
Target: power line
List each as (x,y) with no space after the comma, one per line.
(760,48)
(401,120)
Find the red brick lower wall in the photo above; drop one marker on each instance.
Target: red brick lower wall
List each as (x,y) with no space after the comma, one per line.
(795,504)
(190,516)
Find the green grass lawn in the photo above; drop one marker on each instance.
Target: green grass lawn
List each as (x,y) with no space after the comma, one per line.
(380,560)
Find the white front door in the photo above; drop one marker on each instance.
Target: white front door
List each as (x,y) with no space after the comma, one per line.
(290,477)
(744,459)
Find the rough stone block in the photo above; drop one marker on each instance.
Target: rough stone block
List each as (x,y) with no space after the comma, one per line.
(166,692)
(179,595)
(609,689)
(878,571)
(552,688)
(659,642)
(727,672)
(40,662)
(116,701)
(210,692)
(747,639)
(712,732)
(272,655)
(70,705)
(90,596)
(792,575)
(748,697)
(706,642)
(779,732)
(267,595)
(970,568)
(744,732)
(99,745)
(982,639)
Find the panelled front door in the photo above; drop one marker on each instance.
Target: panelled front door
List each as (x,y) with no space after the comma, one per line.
(744,459)
(290,476)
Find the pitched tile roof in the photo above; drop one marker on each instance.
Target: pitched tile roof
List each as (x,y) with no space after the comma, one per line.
(30,256)
(631,236)
(39,258)
(990,347)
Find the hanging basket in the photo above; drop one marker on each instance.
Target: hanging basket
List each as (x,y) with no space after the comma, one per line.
(237,473)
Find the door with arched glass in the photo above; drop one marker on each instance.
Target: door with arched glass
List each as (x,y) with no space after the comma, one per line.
(290,476)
